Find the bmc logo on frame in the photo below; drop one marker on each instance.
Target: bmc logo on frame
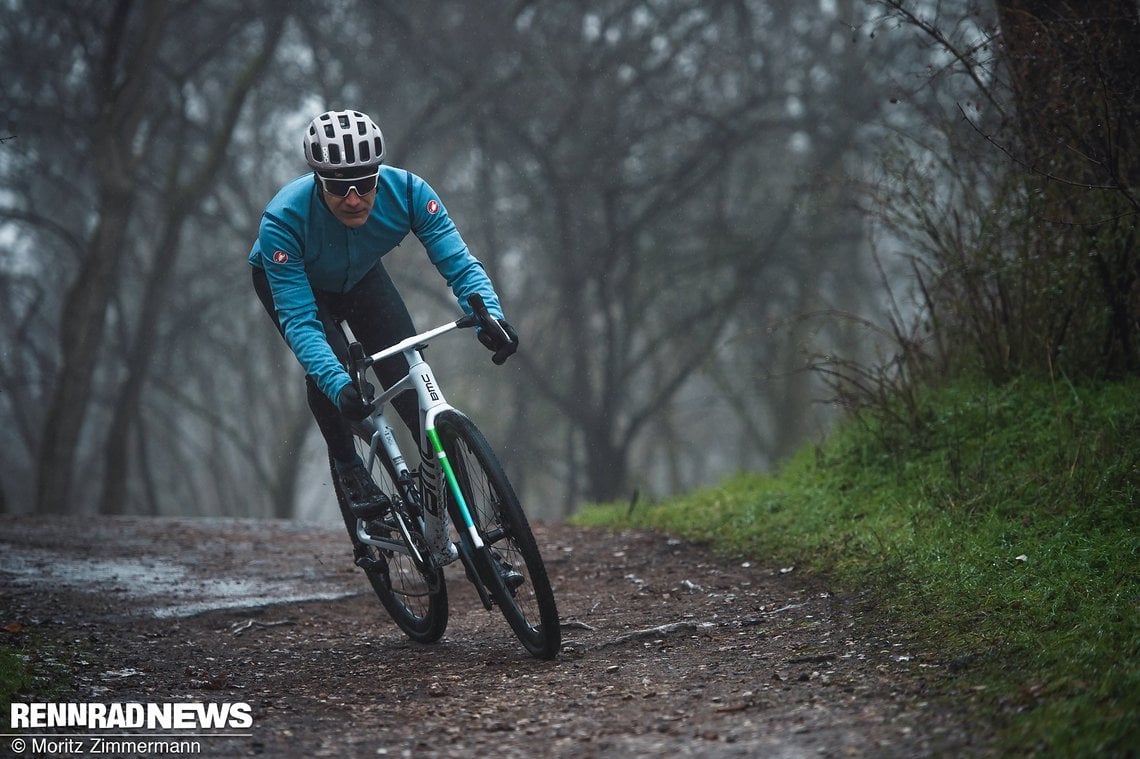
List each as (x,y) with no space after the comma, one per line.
(430,387)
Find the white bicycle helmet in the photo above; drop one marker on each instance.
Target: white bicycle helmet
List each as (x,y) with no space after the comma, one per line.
(338,140)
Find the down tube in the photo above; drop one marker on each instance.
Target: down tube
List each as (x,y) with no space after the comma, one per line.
(453,484)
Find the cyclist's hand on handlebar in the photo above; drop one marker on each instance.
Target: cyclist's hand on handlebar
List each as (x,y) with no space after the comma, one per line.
(352,405)
(503,348)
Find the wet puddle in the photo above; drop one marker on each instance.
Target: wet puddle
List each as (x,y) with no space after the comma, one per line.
(163,588)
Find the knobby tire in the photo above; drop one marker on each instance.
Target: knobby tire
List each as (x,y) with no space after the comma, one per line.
(529,608)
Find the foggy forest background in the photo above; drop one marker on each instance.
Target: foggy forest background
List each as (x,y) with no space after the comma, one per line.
(698,214)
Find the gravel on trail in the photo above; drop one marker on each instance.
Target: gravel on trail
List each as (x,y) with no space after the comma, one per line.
(668,649)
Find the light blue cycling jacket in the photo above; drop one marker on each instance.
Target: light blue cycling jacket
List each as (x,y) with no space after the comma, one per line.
(302,247)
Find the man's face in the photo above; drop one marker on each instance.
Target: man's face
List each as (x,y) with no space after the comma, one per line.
(352,209)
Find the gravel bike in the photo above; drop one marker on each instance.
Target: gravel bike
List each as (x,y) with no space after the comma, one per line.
(449,500)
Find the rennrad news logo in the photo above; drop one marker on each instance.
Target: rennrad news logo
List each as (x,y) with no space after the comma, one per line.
(120,715)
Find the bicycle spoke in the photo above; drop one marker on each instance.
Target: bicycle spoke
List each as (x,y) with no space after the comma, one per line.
(512,568)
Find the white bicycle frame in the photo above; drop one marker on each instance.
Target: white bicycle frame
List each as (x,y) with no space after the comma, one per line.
(431,403)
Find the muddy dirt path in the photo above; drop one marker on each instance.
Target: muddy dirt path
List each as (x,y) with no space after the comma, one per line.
(668,650)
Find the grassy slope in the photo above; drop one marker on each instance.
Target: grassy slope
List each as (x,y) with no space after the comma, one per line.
(1002,531)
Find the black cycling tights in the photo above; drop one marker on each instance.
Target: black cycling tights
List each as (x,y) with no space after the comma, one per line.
(378,318)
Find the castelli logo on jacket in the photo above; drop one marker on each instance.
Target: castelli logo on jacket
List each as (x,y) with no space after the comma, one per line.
(280,257)
(433,206)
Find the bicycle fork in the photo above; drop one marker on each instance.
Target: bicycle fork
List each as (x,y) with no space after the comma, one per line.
(435,474)
(435,516)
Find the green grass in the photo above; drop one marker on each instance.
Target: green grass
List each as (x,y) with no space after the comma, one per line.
(32,668)
(1001,529)
(14,676)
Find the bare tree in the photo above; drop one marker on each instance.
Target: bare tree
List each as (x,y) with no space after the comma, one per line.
(127,149)
(125,55)
(181,196)
(1026,250)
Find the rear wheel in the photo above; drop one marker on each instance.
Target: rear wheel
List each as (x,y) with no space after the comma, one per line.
(415,597)
(510,565)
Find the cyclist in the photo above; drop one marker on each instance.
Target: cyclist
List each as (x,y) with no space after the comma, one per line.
(317,260)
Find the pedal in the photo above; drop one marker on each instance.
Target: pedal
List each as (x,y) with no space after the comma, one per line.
(512,579)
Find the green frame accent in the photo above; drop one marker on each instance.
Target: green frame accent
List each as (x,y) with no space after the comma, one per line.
(452,482)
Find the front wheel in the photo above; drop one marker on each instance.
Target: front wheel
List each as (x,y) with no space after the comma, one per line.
(510,565)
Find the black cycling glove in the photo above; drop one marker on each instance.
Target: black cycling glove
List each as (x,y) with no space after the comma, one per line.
(352,405)
(503,349)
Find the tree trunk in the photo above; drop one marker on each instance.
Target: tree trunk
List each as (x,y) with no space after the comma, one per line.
(607,465)
(182,202)
(85,306)
(283,487)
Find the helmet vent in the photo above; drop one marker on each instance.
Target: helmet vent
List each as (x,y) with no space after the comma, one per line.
(343,140)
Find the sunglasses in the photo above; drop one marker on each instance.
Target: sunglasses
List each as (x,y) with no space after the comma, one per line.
(341,187)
